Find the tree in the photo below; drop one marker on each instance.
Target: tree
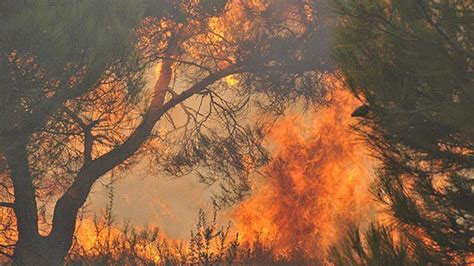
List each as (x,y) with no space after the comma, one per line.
(76,104)
(411,64)
(376,247)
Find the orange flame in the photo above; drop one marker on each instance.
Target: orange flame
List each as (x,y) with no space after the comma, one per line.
(317,185)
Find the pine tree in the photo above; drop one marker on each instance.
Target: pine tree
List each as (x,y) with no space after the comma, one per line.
(411,63)
(50,53)
(74,105)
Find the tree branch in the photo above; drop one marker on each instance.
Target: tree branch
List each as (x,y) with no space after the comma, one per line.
(67,206)
(88,137)
(7,204)
(439,29)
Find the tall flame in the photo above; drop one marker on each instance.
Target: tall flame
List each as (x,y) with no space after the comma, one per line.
(317,184)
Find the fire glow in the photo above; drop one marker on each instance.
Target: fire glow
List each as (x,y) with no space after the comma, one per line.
(316,185)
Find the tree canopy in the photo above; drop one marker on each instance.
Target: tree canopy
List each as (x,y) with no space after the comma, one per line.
(411,64)
(76,104)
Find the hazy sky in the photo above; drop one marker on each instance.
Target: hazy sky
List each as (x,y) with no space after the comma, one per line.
(147,199)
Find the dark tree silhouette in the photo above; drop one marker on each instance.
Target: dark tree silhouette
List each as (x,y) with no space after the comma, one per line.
(75,104)
(412,63)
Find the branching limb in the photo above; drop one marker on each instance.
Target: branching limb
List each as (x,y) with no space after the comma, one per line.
(88,137)
(67,206)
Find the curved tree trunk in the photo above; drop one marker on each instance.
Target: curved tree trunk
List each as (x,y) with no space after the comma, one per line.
(29,244)
(33,249)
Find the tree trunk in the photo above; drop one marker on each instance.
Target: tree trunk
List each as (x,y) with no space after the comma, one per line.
(33,249)
(41,251)
(25,199)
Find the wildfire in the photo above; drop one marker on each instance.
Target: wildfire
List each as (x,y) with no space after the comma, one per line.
(95,239)
(317,184)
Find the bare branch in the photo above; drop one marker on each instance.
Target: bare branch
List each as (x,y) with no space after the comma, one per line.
(88,137)
(7,204)
(67,206)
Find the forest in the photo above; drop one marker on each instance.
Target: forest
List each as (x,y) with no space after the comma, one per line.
(237,132)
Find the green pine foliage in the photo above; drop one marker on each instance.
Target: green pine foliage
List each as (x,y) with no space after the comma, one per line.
(60,49)
(411,62)
(375,247)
